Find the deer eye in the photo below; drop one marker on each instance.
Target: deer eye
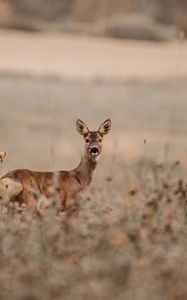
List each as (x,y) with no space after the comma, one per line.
(87,140)
(100,140)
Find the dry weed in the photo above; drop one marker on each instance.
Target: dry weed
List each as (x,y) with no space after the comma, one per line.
(127,241)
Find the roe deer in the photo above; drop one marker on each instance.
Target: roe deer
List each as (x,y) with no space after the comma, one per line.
(24,186)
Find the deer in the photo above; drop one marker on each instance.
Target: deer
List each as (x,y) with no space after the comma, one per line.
(25,186)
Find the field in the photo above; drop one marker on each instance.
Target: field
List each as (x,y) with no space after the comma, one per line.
(128,238)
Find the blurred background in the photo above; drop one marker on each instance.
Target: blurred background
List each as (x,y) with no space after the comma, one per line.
(66,59)
(142,19)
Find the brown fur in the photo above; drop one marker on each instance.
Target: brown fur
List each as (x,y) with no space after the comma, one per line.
(30,185)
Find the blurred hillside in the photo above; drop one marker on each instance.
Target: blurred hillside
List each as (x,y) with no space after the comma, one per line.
(137,19)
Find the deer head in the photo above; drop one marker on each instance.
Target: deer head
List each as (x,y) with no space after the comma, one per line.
(93,139)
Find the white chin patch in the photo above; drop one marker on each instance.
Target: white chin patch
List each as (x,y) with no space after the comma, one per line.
(94,154)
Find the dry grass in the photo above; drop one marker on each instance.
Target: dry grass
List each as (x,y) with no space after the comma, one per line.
(127,241)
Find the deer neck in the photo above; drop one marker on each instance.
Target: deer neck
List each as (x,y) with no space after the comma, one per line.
(85,170)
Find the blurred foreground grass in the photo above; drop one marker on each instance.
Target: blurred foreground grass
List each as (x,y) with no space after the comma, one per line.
(127,241)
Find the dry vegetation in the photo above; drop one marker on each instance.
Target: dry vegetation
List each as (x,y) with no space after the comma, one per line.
(127,241)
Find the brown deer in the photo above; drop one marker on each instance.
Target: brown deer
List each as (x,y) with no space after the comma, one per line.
(25,186)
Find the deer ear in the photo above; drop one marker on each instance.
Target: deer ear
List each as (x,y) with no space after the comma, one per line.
(82,128)
(105,127)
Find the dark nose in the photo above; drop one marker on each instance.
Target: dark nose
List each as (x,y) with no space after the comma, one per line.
(94,150)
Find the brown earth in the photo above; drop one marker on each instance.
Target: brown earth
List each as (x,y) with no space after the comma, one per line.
(75,57)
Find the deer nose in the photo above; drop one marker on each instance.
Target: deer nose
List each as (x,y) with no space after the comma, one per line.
(94,150)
